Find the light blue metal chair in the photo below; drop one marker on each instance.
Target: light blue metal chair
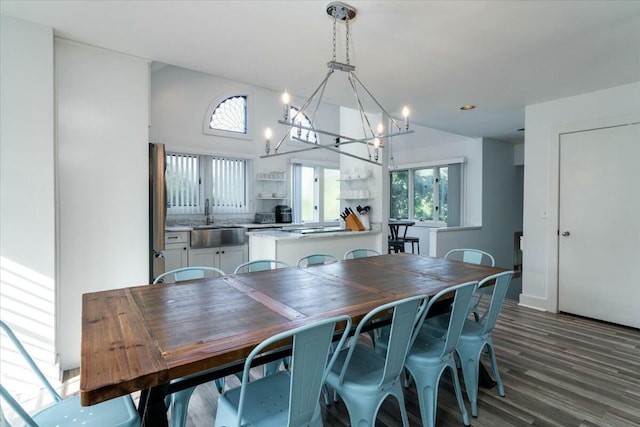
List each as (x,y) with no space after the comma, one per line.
(260,265)
(316,259)
(360,253)
(179,401)
(474,256)
(363,378)
(67,412)
(431,355)
(476,336)
(188,273)
(287,398)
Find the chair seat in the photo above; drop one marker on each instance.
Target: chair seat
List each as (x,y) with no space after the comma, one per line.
(414,241)
(273,407)
(437,325)
(111,413)
(427,346)
(395,245)
(364,371)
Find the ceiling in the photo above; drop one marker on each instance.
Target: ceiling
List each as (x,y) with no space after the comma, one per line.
(434,56)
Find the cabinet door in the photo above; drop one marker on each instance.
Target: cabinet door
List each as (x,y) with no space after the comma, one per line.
(175,257)
(203,257)
(230,257)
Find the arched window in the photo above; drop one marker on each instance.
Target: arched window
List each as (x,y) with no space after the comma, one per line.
(230,115)
(303,120)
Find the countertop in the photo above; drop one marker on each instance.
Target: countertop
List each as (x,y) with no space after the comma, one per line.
(248,226)
(291,235)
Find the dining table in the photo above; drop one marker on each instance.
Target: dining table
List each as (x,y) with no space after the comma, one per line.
(163,338)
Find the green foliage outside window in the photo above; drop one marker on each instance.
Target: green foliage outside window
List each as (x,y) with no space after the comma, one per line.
(399,194)
(429,193)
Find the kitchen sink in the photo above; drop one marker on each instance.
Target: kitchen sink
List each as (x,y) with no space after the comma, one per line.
(210,236)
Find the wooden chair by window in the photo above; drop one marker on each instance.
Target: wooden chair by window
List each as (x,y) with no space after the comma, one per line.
(414,241)
(397,235)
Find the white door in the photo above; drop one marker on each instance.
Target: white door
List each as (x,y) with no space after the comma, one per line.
(599,224)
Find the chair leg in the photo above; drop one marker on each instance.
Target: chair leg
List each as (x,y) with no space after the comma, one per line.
(469,362)
(219,385)
(494,367)
(427,381)
(179,407)
(363,411)
(456,386)
(427,388)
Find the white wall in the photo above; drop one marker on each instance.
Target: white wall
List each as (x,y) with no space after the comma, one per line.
(27,222)
(430,145)
(543,123)
(180,99)
(501,208)
(102,143)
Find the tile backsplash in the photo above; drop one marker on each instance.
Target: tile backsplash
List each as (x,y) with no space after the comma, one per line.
(200,219)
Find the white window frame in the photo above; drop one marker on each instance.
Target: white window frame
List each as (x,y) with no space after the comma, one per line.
(291,117)
(229,134)
(318,196)
(410,188)
(206,185)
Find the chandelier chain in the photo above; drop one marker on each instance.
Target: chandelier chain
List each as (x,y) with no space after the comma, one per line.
(347,40)
(334,38)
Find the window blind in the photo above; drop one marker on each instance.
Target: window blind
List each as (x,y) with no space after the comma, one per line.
(228,187)
(183,183)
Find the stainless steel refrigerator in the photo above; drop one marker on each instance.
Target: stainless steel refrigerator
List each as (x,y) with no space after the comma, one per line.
(157,209)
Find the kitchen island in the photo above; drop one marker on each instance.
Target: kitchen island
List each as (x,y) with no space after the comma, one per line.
(291,245)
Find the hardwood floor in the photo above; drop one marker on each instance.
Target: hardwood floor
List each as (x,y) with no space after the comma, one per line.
(558,370)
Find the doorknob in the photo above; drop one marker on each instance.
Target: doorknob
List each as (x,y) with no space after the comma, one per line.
(565,233)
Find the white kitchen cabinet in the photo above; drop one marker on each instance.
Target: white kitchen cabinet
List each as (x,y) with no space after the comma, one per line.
(226,258)
(176,249)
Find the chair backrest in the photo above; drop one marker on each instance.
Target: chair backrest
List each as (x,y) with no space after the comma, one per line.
(260,265)
(406,313)
(189,273)
(360,253)
(500,287)
(462,295)
(310,364)
(474,256)
(316,259)
(4,393)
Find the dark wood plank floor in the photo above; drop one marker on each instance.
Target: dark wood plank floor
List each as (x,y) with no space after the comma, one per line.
(558,370)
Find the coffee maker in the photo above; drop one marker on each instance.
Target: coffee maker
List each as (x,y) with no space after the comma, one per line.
(284,214)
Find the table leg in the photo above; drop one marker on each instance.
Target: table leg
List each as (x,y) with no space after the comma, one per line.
(152,408)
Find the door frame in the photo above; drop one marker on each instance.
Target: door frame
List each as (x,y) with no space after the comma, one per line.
(553,203)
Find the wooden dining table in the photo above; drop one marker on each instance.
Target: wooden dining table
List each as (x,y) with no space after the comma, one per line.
(167,337)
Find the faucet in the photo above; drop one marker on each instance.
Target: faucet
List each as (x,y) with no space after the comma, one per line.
(206,212)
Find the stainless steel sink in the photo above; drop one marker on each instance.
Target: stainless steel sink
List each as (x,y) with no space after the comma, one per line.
(209,236)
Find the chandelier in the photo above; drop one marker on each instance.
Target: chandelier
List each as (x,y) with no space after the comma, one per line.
(296,125)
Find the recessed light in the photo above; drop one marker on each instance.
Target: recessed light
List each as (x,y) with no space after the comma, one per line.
(467,107)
